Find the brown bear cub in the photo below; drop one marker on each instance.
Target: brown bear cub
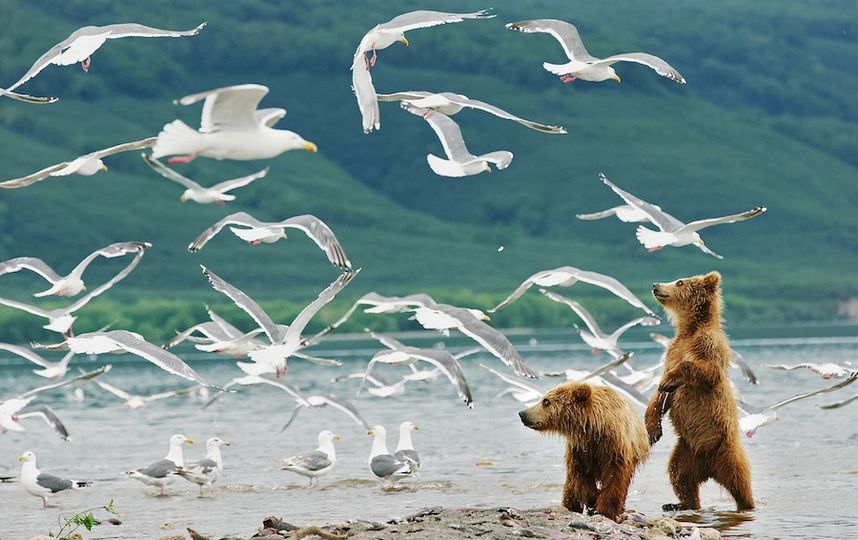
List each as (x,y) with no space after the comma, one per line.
(606,441)
(695,389)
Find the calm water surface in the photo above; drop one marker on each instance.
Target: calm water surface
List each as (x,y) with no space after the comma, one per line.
(805,466)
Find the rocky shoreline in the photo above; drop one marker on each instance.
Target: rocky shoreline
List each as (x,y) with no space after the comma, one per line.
(438,523)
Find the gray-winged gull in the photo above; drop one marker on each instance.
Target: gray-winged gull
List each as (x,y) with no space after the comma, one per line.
(826,370)
(50,370)
(217,194)
(405,447)
(160,473)
(673,232)
(231,127)
(206,471)
(41,484)
(85,165)
(385,466)
(255,232)
(72,283)
(581,64)
(134,401)
(316,463)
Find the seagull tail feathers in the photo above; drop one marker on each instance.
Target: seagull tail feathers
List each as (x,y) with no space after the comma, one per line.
(652,239)
(444,167)
(177,137)
(557,69)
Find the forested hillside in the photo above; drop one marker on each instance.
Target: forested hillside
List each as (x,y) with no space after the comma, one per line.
(768,117)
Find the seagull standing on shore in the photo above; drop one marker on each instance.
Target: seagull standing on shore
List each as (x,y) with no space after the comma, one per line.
(405,448)
(206,471)
(160,473)
(385,466)
(41,484)
(316,463)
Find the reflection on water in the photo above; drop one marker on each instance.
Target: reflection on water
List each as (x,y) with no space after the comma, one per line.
(804,465)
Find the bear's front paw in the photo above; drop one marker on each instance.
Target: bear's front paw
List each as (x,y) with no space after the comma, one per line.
(654,433)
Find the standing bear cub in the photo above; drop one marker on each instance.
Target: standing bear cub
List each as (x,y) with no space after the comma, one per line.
(695,389)
(606,441)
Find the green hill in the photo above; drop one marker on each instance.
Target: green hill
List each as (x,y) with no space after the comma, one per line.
(767,117)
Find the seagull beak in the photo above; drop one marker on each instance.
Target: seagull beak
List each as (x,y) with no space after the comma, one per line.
(189,441)
(22,458)
(415,427)
(405,41)
(617,78)
(226,443)
(337,437)
(309,147)
(702,243)
(370,432)
(183,198)
(103,168)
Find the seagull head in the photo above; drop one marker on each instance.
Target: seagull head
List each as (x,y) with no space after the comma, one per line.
(486,167)
(185,196)
(403,39)
(292,141)
(178,440)
(214,442)
(102,166)
(27,457)
(479,314)
(614,74)
(329,436)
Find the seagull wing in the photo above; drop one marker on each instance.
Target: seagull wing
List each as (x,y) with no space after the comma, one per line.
(80,378)
(106,285)
(25,307)
(521,289)
(30,263)
(513,381)
(165,360)
(449,366)
(500,113)
(47,414)
(704,223)
(839,404)
(231,108)
(343,406)
(26,98)
(124,147)
(426,19)
(118,392)
(322,235)
(365,93)
(387,341)
(448,133)
(597,215)
(625,388)
(601,370)
(562,31)
(613,285)
(403,96)
(35,177)
(660,66)
(580,310)
(239,218)
(235,183)
(662,340)
(23,352)
(112,251)
(739,360)
(658,217)
(247,304)
(644,321)
(837,386)
(169,173)
(293,335)
(123,30)
(311,461)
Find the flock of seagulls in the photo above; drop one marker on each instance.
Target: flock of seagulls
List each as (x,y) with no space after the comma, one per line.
(232,126)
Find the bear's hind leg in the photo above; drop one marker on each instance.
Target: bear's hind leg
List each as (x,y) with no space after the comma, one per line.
(734,473)
(686,475)
(615,487)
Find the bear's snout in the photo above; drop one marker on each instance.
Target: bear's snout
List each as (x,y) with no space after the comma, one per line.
(527,419)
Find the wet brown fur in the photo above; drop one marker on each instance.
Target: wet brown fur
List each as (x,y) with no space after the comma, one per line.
(606,441)
(695,389)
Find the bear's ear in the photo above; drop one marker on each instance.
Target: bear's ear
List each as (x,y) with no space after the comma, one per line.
(581,393)
(712,280)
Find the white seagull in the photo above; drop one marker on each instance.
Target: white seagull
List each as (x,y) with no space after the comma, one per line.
(84,41)
(471,323)
(231,127)
(405,448)
(826,370)
(581,64)
(673,232)
(449,104)
(382,36)
(385,466)
(256,232)
(161,472)
(380,387)
(85,165)
(41,484)
(219,336)
(217,194)
(50,370)
(71,284)
(316,463)
(134,401)
(566,276)
(460,162)
(61,319)
(596,338)
(284,341)
(323,400)
(206,471)
(756,417)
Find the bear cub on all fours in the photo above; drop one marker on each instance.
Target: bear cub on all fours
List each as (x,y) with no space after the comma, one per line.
(606,441)
(695,391)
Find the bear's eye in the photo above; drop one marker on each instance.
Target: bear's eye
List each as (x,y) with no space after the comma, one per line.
(679,283)
(545,402)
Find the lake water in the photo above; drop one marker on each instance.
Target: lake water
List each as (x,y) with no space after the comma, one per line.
(805,466)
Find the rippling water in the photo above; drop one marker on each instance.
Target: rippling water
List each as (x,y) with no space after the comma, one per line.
(805,466)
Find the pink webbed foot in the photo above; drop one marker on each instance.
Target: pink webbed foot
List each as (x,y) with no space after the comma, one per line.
(373,58)
(181,159)
(85,65)
(220,203)
(568,78)
(254,242)
(596,352)
(654,249)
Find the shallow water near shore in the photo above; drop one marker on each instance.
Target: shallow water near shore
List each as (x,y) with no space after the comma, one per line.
(805,470)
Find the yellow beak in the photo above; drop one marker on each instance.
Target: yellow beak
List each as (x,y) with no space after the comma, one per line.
(405,41)
(337,437)
(189,441)
(310,147)
(617,78)
(103,168)
(22,458)
(415,427)
(370,432)
(183,198)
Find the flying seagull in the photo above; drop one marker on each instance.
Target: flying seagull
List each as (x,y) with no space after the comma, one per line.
(255,232)
(133,401)
(624,212)
(219,336)
(71,284)
(673,232)
(26,98)
(324,400)
(316,463)
(839,404)
(566,276)
(756,417)
(460,162)
(471,323)
(84,41)
(827,370)
(581,64)
(217,194)
(449,104)
(284,341)
(382,36)
(231,127)
(85,165)
(596,338)
(206,471)
(41,484)
(736,359)
(50,370)
(12,411)
(161,472)
(380,387)
(61,319)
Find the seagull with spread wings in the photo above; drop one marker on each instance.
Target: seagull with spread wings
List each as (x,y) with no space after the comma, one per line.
(135,401)
(85,165)
(581,64)
(256,232)
(217,194)
(71,284)
(231,127)
(49,370)
(673,232)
